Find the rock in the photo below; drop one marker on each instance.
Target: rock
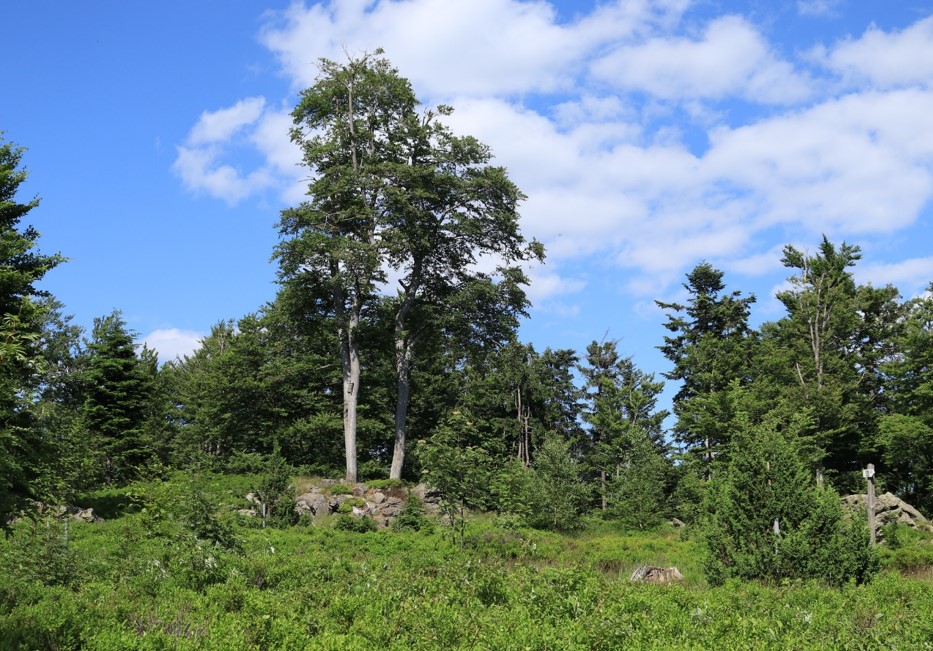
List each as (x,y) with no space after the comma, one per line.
(650,574)
(314,504)
(390,510)
(890,508)
(677,523)
(86,515)
(378,498)
(249,513)
(428,495)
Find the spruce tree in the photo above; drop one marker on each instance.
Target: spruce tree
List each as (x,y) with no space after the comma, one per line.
(23,312)
(711,346)
(117,399)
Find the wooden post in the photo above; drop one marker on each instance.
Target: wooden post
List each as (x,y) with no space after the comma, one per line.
(869,474)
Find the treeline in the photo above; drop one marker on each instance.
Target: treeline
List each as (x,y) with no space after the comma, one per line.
(348,373)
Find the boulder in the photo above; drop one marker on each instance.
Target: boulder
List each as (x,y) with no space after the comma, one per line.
(650,574)
(86,515)
(890,508)
(314,504)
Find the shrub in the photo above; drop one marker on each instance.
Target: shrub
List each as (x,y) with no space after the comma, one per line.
(348,504)
(555,495)
(340,489)
(37,550)
(412,516)
(356,524)
(768,520)
(276,494)
(636,490)
(385,484)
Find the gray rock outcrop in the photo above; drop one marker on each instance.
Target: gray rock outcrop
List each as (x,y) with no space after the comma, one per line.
(889,508)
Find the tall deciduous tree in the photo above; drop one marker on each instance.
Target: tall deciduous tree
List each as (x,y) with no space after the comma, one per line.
(447,206)
(348,126)
(395,189)
(22,316)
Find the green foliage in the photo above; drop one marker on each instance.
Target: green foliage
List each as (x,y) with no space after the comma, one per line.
(355,524)
(38,551)
(461,472)
(349,504)
(340,489)
(555,495)
(710,346)
(118,394)
(413,516)
(386,483)
(276,493)
(325,588)
(636,490)
(182,509)
(688,495)
(25,453)
(768,520)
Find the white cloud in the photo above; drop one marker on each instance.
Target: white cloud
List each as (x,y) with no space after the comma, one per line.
(199,161)
(912,274)
(545,284)
(221,125)
(588,117)
(885,59)
(730,58)
(172,343)
(446,48)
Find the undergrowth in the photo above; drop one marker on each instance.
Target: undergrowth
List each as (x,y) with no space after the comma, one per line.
(131,583)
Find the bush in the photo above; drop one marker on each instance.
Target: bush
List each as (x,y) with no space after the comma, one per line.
(276,494)
(385,484)
(636,490)
(340,489)
(555,496)
(768,520)
(37,550)
(412,517)
(355,524)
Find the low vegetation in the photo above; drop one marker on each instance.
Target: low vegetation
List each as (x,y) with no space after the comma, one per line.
(165,572)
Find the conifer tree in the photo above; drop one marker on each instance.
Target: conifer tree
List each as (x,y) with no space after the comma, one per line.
(711,347)
(768,519)
(23,313)
(117,399)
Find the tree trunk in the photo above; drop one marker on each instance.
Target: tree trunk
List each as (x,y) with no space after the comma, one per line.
(350,362)
(403,352)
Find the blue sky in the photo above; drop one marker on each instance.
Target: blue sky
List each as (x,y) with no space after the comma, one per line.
(648,136)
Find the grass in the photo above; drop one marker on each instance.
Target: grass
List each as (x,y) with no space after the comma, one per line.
(138,582)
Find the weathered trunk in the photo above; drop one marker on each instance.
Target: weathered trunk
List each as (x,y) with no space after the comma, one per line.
(350,363)
(403,353)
